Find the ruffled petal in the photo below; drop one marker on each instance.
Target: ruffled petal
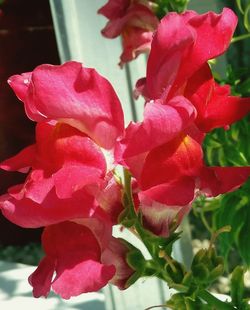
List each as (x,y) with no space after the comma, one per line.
(213,35)
(27,213)
(170,45)
(114,8)
(161,124)
(72,178)
(79,274)
(180,157)
(220,180)
(76,261)
(41,278)
(215,107)
(20,162)
(80,100)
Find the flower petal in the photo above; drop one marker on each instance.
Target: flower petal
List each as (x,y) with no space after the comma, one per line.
(215,107)
(164,206)
(170,45)
(20,162)
(71,178)
(76,94)
(180,157)
(79,274)
(41,278)
(77,266)
(27,213)
(161,124)
(220,180)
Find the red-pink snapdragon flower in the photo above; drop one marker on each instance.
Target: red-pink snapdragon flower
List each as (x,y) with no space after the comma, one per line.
(83,262)
(70,188)
(168,165)
(72,159)
(72,94)
(177,65)
(134,21)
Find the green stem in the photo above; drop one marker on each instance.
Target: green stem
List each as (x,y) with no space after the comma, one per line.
(213,301)
(241,37)
(139,229)
(205,222)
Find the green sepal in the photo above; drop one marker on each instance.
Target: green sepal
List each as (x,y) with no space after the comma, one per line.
(181,302)
(200,273)
(237,286)
(187,279)
(207,266)
(135,276)
(216,272)
(176,271)
(166,244)
(199,256)
(136,260)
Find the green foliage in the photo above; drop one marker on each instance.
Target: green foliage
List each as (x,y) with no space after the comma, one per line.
(245,10)
(207,267)
(29,254)
(232,211)
(181,302)
(165,6)
(237,286)
(231,148)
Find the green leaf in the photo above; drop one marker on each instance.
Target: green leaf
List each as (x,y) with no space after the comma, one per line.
(243,241)
(246,18)
(232,212)
(240,6)
(237,286)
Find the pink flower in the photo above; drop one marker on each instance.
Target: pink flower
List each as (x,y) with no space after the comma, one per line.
(164,152)
(134,21)
(76,262)
(70,188)
(70,166)
(73,94)
(68,179)
(177,65)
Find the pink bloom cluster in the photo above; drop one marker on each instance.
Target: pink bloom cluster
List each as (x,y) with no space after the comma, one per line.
(183,103)
(135,21)
(70,188)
